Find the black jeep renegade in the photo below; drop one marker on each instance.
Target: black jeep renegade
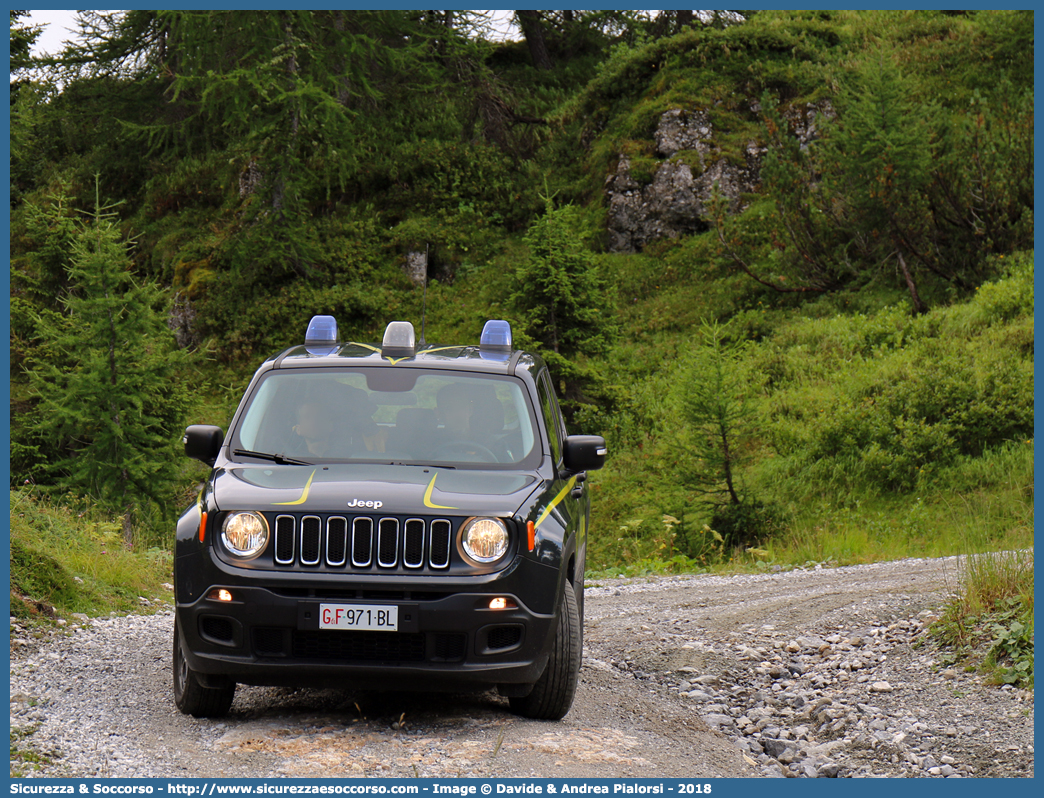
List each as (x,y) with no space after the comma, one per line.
(394,516)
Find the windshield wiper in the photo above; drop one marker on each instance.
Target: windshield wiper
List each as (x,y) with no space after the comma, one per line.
(275,458)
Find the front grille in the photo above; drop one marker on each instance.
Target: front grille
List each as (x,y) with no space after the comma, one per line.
(413,544)
(438,556)
(360,646)
(351,593)
(284,539)
(311,539)
(388,543)
(336,541)
(269,642)
(450,647)
(361,543)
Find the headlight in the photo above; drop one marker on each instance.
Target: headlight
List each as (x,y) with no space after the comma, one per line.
(484,539)
(245,534)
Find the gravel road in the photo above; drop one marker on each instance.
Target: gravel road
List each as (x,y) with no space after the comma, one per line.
(806,673)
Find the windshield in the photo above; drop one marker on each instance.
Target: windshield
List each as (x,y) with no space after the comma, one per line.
(401,415)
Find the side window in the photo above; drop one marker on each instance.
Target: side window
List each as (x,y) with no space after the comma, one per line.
(558,414)
(552,418)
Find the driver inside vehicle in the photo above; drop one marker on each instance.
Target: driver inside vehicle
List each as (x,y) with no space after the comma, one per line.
(454,408)
(315,427)
(457,437)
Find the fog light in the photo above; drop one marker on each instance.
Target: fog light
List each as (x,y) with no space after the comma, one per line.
(220,594)
(501,603)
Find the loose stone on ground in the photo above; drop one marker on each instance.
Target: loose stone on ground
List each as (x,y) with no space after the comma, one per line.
(802,674)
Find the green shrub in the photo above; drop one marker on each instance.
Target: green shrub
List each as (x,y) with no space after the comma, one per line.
(886,401)
(1009,297)
(747,523)
(1011,654)
(704,545)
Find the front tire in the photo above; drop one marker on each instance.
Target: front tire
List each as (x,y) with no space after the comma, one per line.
(553,693)
(190,696)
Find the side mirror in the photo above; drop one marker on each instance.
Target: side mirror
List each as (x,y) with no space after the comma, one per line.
(584,452)
(203,442)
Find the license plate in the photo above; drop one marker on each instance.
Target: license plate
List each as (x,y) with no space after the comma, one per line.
(359,617)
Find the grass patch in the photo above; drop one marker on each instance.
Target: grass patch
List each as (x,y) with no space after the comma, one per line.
(633,500)
(25,761)
(67,559)
(988,624)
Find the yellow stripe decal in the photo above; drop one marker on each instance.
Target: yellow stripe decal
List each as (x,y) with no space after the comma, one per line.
(395,360)
(304,493)
(555,501)
(427,497)
(364,346)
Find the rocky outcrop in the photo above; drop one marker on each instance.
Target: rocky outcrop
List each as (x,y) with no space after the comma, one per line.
(675,203)
(804,121)
(182,321)
(416,266)
(667,208)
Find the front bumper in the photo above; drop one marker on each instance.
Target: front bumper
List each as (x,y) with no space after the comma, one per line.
(448,637)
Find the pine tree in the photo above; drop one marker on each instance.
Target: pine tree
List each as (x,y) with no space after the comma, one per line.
(286,96)
(897,187)
(562,302)
(716,404)
(884,155)
(22,39)
(110,398)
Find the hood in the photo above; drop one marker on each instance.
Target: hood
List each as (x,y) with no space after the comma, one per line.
(383,489)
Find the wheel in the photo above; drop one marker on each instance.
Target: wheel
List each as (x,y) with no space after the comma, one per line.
(455,449)
(553,692)
(190,696)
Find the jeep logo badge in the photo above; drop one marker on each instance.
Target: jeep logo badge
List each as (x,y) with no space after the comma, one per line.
(360,503)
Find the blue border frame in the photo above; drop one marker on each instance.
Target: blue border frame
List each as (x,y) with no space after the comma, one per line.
(727,786)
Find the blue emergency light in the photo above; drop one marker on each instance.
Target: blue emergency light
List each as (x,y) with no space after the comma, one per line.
(321,330)
(321,335)
(496,336)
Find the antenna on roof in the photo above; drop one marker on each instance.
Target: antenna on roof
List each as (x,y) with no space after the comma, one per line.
(424,301)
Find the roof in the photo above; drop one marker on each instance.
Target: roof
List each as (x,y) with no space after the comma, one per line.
(458,358)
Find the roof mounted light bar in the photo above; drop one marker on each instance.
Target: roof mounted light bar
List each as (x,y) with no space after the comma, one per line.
(321,330)
(399,340)
(321,335)
(496,336)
